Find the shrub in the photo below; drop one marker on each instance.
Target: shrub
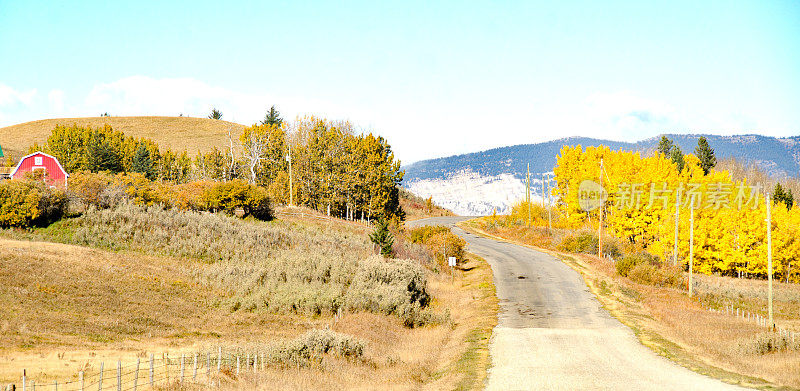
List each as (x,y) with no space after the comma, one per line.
(387,286)
(583,242)
(24,203)
(228,196)
(768,342)
(646,273)
(88,187)
(308,348)
(628,262)
(440,241)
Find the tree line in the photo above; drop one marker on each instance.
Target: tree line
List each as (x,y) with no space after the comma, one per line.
(728,240)
(333,169)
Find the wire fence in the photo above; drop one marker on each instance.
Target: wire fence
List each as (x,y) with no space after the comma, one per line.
(200,369)
(752,317)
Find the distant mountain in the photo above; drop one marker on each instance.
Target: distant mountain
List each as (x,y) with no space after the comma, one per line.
(460,182)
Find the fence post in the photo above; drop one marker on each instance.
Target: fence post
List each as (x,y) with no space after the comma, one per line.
(55,384)
(33,385)
(136,375)
(166,366)
(80,375)
(100,382)
(151,369)
(219,359)
(237,365)
(119,375)
(194,373)
(208,365)
(182,356)
(255,361)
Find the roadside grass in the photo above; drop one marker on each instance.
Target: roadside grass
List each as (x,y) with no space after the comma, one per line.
(680,328)
(64,308)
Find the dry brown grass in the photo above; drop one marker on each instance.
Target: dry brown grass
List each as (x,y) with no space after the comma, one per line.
(63,307)
(416,208)
(682,329)
(178,133)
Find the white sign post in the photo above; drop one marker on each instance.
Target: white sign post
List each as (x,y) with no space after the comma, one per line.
(451,261)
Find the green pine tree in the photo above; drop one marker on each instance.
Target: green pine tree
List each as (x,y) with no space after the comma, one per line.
(705,153)
(273,117)
(142,162)
(665,146)
(382,237)
(784,196)
(215,114)
(676,155)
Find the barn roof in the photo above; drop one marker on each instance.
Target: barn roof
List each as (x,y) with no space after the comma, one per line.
(66,174)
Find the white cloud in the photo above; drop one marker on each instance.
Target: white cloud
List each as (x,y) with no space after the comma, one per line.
(627,116)
(12,100)
(56,99)
(10,96)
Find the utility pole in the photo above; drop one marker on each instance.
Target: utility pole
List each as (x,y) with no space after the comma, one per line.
(691,244)
(677,217)
(769,257)
(528,192)
(549,205)
(600,225)
(291,192)
(542,190)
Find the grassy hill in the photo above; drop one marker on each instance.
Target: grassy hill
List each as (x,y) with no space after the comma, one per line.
(178,133)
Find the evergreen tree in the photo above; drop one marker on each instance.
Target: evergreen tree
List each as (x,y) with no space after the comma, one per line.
(215,114)
(382,237)
(676,155)
(779,195)
(273,117)
(665,146)
(142,163)
(705,153)
(101,156)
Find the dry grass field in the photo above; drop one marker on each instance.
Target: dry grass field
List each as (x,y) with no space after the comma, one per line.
(416,207)
(65,307)
(682,328)
(178,133)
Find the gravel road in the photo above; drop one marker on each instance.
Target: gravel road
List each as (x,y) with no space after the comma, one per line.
(553,334)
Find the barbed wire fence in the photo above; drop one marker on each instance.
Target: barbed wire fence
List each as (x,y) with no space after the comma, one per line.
(752,317)
(198,369)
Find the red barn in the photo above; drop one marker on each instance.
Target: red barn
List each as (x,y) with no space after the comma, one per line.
(54,173)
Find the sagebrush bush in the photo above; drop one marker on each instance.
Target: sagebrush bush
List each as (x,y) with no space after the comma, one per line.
(583,242)
(767,342)
(306,349)
(277,266)
(389,286)
(628,262)
(198,235)
(664,276)
(24,203)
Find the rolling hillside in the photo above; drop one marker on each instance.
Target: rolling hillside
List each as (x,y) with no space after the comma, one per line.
(178,133)
(477,183)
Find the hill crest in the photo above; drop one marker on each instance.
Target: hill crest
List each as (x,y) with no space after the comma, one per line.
(188,134)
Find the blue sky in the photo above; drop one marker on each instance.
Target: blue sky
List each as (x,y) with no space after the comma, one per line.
(435,78)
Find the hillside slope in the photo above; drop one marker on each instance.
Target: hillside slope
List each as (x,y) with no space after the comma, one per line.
(462,182)
(178,133)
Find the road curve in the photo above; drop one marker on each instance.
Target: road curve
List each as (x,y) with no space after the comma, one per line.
(553,334)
